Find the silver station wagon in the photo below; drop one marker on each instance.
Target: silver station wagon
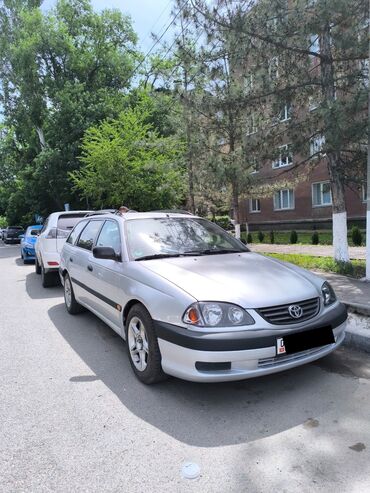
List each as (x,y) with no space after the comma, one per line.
(193,302)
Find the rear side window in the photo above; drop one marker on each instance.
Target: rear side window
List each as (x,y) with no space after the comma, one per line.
(75,232)
(66,222)
(110,237)
(88,235)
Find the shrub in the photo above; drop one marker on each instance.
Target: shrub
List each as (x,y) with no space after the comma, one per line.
(356,236)
(293,237)
(261,236)
(249,238)
(223,221)
(272,237)
(315,238)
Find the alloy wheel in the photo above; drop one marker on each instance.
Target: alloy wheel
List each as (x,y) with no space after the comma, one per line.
(138,344)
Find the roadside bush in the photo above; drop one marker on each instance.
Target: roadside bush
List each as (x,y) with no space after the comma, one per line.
(249,238)
(293,237)
(272,237)
(261,236)
(223,221)
(315,238)
(356,236)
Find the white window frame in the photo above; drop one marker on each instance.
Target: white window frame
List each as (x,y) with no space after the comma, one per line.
(286,110)
(248,82)
(316,144)
(322,204)
(364,193)
(255,167)
(313,103)
(279,163)
(273,63)
(257,203)
(315,44)
(364,69)
(252,126)
(291,200)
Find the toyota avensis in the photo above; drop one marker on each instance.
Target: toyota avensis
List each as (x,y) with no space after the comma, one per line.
(194,302)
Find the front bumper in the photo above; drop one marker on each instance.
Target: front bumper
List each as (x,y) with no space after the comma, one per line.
(218,357)
(29,253)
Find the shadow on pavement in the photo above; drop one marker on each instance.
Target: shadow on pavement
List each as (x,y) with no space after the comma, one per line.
(206,415)
(36,291)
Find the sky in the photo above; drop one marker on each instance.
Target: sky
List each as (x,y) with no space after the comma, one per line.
(147,16)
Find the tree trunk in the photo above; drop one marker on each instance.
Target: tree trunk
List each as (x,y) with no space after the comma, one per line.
(41,136)
(236,209)
(340,241)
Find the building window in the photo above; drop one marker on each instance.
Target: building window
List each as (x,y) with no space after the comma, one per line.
(285,112)
(364,192)
(254,205)
(364,72)
(274,68)
(313,103)
(284,199)
(252,124)
(285,157)
(315,43)
(254,167)
(321,194)
(248,83)
(316,144)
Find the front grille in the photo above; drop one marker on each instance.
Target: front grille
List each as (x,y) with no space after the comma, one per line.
(279,315)
(287,358)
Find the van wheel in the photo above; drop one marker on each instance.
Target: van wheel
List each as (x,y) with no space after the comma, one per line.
(37,266)
(69,297)
(142,346)
(47,278)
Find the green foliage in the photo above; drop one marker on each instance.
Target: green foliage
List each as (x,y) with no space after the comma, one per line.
(3,222)
(356,268)
(356,236)
(125,161)
(315,238)
(293,237)
(272,237)
(261,236)
(223,221)
(249,238)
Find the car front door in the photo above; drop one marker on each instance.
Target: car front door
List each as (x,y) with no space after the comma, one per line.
(106,275)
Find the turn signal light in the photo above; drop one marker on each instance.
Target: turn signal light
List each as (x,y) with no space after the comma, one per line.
(53,263)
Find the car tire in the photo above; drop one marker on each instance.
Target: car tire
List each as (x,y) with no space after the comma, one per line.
(37,266)
(142,346)
(48,279)
(69,297)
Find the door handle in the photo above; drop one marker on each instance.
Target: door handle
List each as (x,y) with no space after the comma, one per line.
(90,268)
(70,259)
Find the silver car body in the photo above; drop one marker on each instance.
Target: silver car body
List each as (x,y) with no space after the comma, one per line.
(168,286)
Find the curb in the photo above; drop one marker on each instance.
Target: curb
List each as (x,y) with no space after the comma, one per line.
(358,327)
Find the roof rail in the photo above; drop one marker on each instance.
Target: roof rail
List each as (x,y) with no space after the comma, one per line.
(102,211)
(174,211)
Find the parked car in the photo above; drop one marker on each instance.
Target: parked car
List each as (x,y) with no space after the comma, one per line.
(50,242)
(193,302)
(12,234)
(28,241)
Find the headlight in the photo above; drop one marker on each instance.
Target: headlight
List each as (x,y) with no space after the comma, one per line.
(328,293)
(214,314)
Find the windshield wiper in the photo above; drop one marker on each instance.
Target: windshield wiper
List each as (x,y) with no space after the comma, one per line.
(158,255)
(213,252)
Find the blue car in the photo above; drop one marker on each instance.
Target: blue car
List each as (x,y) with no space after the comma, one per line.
(28,241)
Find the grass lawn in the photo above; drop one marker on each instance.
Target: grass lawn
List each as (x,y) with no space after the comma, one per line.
(355,268)
(304,237)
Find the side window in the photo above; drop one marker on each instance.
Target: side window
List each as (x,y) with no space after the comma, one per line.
(75,232)
(45,225)
(110,236)
(88,235)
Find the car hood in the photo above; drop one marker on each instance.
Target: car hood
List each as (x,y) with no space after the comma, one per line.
(30,239)
(247,279)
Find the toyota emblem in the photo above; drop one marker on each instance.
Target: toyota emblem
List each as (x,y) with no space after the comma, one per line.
(295,311)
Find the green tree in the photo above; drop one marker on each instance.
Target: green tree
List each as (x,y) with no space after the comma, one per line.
(125,161)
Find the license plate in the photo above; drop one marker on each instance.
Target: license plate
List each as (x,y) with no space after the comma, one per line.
(302,341)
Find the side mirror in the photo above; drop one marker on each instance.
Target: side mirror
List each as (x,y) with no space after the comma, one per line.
(105,253)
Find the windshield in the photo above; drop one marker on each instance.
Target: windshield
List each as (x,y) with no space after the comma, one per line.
(172,237)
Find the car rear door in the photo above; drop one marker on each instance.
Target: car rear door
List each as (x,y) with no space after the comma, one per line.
(80,273)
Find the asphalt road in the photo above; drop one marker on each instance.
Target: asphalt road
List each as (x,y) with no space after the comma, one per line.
(73,418)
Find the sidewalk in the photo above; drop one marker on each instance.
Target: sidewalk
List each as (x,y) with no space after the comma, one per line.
(315,250)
